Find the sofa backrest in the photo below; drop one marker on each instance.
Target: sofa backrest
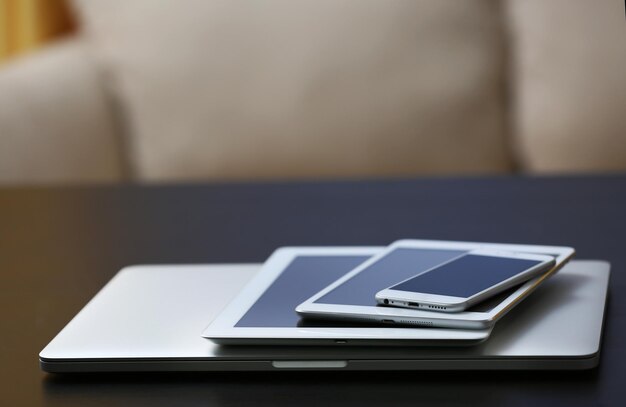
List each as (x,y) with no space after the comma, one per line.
(568,84)
(232,89)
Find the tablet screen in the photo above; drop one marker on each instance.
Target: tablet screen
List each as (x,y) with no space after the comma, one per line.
(303,277)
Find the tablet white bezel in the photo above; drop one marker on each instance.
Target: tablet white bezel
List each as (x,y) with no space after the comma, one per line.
(466,319)
(222,329)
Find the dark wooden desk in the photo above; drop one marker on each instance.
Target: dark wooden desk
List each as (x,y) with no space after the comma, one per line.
(59,246)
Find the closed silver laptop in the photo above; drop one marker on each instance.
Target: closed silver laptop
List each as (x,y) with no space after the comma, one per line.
(149,318)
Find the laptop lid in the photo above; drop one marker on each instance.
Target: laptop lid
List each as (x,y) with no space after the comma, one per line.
(149,318)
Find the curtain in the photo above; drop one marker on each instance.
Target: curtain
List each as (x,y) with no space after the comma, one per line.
(27,24)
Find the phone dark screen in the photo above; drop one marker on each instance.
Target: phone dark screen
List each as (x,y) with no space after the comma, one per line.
(466,276)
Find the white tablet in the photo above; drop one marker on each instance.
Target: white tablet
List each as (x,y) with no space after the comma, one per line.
(263,313)
(352,297)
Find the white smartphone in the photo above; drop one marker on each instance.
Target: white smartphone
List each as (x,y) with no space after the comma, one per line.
(464,281)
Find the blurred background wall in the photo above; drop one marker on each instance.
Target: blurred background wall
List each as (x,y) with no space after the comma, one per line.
(96,91)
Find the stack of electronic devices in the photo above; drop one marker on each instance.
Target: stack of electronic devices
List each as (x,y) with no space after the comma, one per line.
(416,304)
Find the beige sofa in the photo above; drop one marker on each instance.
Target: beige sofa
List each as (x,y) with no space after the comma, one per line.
(159,90)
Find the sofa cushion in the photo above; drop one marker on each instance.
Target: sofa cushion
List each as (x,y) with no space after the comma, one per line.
(281,88)
(56,125)
(570,88)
